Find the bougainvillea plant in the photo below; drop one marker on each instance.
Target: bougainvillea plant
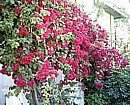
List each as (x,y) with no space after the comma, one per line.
(40,37)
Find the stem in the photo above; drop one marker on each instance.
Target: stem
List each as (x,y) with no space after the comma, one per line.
(34,97)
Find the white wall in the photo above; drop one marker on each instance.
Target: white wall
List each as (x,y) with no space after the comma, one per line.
(5,83)
(2,98)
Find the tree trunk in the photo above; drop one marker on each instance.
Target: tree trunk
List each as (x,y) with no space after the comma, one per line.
(34,97)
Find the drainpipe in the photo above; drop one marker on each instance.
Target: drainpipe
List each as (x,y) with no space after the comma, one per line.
(111,29)
(115,37)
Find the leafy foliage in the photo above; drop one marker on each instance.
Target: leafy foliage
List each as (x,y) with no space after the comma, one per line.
(116,90)
(40,37)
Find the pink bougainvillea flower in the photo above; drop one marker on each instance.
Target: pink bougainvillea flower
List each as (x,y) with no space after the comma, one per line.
(46,65)
(47,24)
(98,85)
(57,13)
(85,73)
(31,83)
(27,1)
(23,31)
(17,10)
(59,2)
(26,33)
(85,17)
(47,34)
(56,33)
(40,76)
(75,64)
(51,51)
(16,55)
(41,3)
(62,60)
(41,55)
(27,59)
(16,67)
(19,81)
(3,71)
(39,8)
(97,55)
(36,15)
(98,76)
(20,50)
(65,4)
(40,26)
(42,38)
(72,74)
(65,44)
(2,6)
(67,13)
(71,77)
(46,71)
(85,56)
(52,1)
(78,41)
(104,52)
(69,60)
(124,62)
(53,72)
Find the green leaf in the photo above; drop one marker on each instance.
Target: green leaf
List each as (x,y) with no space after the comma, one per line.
(9,94)
(12,1)
(34,66)
(45,12)
(7,1)
(35,20)
(17,91)
(1,51)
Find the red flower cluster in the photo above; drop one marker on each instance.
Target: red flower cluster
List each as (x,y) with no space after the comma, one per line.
(20,50)
(2,6)
(17,10)
(40,26)
(98,85)
(98,76)
(46,35)
(41,55)
(46,71)
(124,62)
(19,81)
(27,59)
(72,75)
(27,1)
(3,70)
(23,31)
(16,67)
(51,51)
(31,83)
